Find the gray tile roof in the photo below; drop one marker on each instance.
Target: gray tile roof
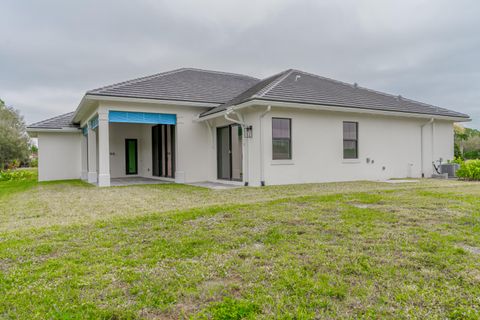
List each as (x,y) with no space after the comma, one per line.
(249,93)
(228,89)
(186,84)
(58,122)
(302,87)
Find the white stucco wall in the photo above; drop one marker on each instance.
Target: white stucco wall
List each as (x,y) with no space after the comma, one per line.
(444,140)
(118,133)
(393,143)
(59,156)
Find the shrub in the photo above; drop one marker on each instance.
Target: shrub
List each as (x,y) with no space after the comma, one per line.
(469,170)
(472,154)
(34,163)
(14,164)
(458,160)
(16,175)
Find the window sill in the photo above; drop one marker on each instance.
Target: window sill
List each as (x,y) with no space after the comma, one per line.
(351,161)
(282,162)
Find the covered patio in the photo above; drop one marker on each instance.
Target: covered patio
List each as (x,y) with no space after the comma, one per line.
(124,148)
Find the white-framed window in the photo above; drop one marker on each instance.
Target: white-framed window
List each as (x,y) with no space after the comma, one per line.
(350,140)
(281,138)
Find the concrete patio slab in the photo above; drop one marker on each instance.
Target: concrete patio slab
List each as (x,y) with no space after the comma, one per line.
(401,181)
(129,181)
(215,185)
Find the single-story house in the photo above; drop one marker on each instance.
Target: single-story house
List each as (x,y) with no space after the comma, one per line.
(190,125)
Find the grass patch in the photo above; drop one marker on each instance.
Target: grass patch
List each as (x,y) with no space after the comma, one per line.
(9,187)
(298,252)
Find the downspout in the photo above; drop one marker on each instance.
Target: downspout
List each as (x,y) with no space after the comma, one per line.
(234,120)
(421,144)
(433,141)
(241,122)
(262,163)
(210,132)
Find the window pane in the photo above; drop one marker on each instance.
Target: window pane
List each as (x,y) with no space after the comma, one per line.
(350,130)
(280,128)
(349,149)
(281,149)
(236,155)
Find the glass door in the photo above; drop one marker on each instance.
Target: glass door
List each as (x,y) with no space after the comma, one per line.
(131,157)
(236,136)
(223,153)
(229,153)
(163,150)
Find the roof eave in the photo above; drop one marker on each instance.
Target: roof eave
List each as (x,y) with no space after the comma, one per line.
(100,97)
(89,99)
(77,115)
(33,131)
(264,102)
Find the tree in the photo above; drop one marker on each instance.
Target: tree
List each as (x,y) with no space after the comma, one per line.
(467,142)
(460,138)
(14,141)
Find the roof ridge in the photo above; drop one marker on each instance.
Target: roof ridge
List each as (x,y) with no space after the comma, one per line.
(402,98)
(322,77)
(222,72)
(281,76)
(390,95)
(161,74)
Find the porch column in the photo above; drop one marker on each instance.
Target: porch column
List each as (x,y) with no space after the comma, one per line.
(103,150)
(92,155)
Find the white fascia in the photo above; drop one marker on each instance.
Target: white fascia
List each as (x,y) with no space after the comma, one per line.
(154,101)
(92,98)
(331,108)
(33,131)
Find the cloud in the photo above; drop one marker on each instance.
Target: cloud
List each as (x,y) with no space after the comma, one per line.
(52,51)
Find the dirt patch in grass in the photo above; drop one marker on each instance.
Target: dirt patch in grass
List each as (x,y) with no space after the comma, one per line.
(473,250)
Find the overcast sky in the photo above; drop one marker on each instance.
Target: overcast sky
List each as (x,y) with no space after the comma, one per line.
(52,51)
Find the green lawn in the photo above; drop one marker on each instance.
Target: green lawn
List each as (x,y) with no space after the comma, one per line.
(340,250)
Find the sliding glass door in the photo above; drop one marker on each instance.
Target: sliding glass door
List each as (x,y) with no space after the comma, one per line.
(229,153)
(163,150)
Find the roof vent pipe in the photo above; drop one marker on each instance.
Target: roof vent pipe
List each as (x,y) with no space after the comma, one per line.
(297,77)
(355,85)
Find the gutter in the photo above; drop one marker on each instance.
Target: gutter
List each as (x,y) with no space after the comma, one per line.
(240,122)
(33,130)
(307,106)
(210,130)
(422,146)
(262,162)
